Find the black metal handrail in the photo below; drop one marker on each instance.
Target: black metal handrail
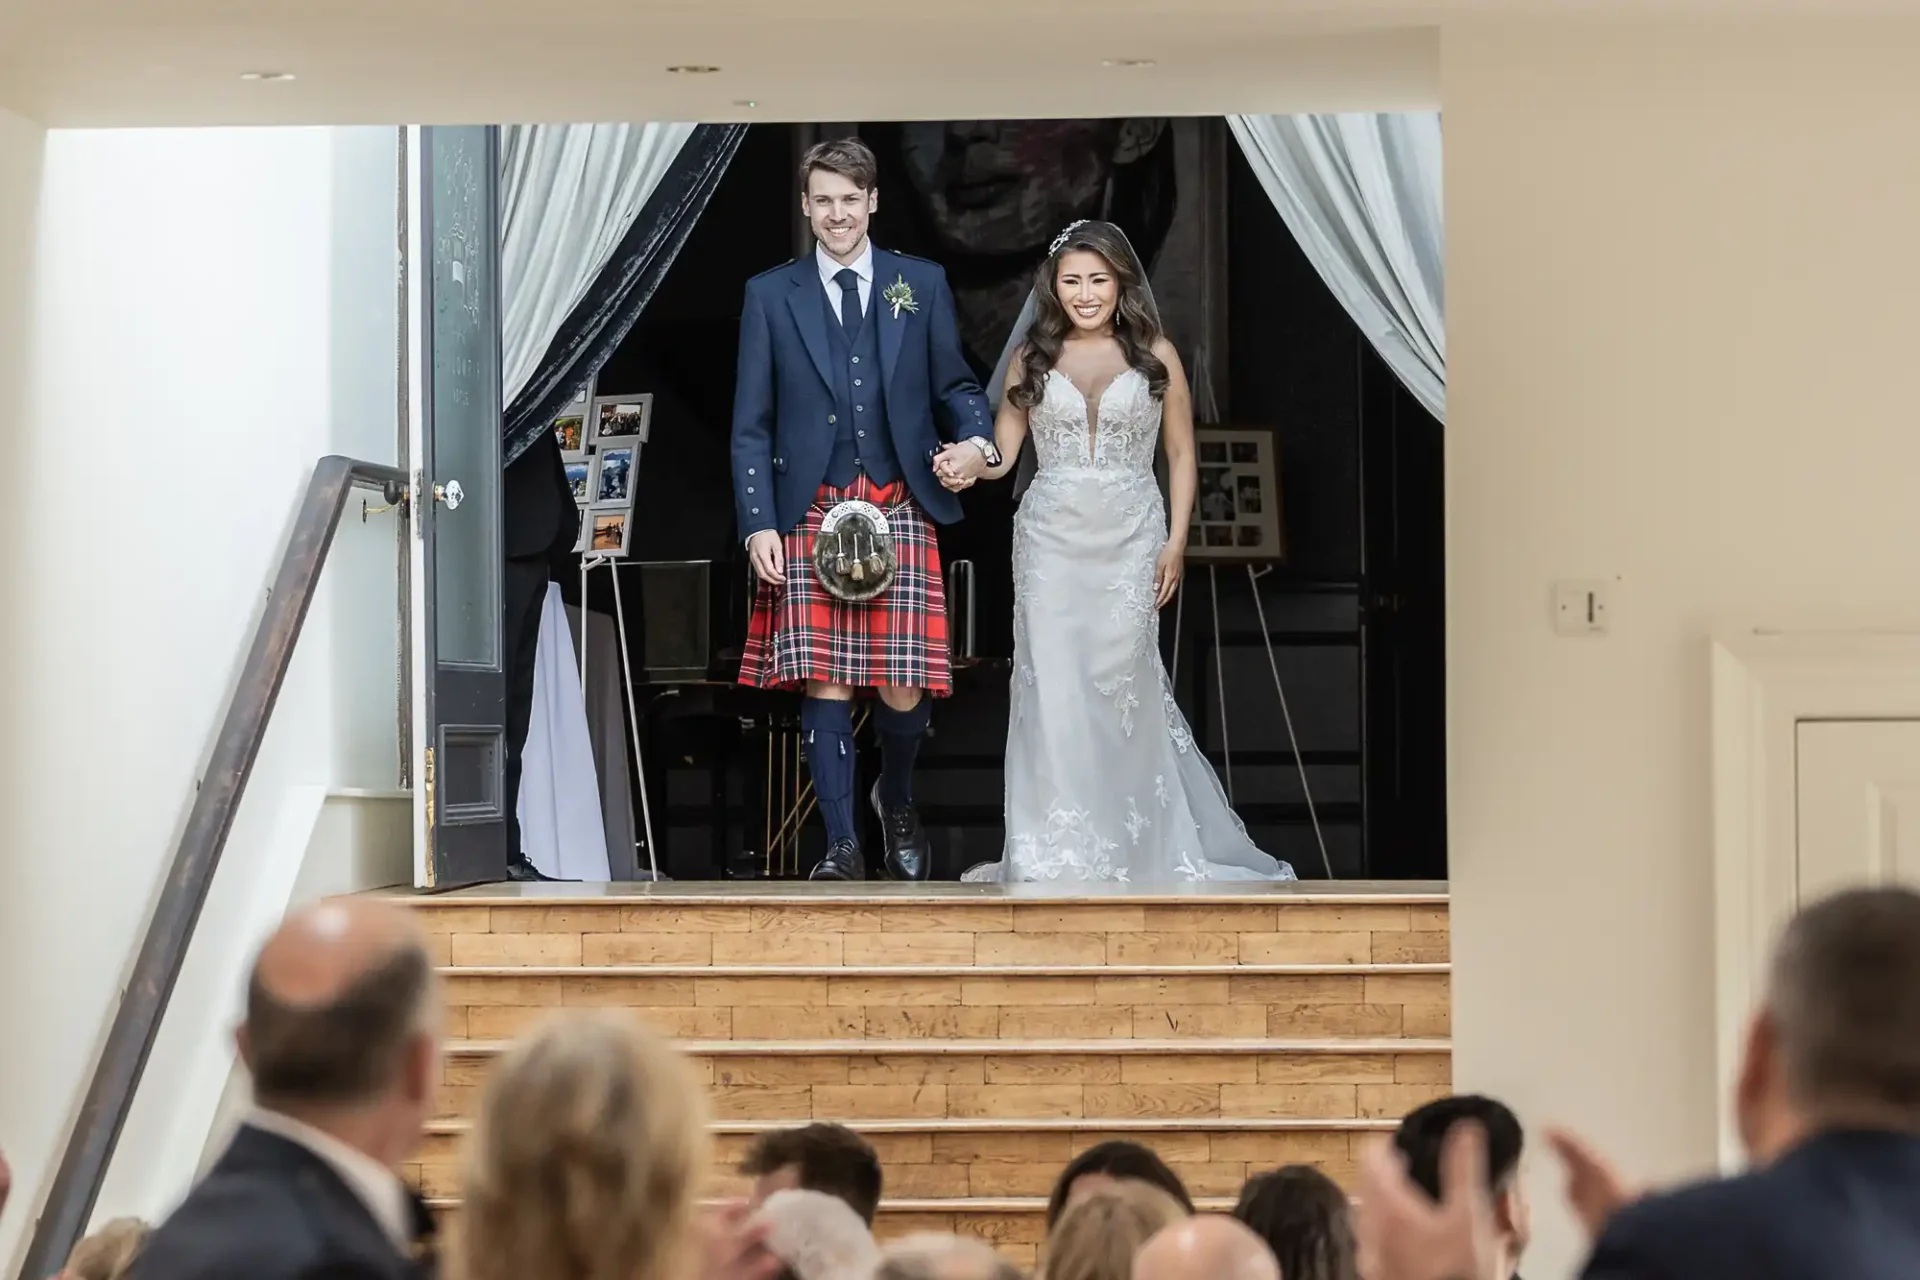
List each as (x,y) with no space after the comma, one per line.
(69,1201)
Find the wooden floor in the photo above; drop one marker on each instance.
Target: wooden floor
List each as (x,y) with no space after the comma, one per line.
(981,1035)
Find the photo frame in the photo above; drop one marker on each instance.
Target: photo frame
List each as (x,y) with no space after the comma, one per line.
(571,425)
(1236,516)
(608,533)
(570,430)
(611,482)
(579,477)
(620,419)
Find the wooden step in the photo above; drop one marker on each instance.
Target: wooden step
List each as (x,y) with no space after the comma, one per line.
(961,1080)
(970,1003)
(958,1159)
(937,930)
(937,893)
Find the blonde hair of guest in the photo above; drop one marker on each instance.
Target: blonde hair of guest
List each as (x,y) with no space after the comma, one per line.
(1097,1238)
(108,1252)
(585,1163)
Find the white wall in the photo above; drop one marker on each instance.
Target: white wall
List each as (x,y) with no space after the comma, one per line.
(212,312)
(1683,306)
(21,142)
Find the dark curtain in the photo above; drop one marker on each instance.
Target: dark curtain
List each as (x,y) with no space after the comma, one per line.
(600,323)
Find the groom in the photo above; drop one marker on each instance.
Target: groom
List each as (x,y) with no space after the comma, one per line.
(846,357)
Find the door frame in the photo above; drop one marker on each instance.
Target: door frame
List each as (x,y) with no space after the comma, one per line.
(1767,677)
(417,263)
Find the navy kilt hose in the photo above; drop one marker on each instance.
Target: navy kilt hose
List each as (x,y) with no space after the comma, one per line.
(798,632)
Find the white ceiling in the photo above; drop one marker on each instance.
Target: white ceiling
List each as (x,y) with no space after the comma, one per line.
(153,62)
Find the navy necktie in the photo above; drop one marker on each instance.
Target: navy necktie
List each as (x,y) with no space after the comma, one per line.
(849,281)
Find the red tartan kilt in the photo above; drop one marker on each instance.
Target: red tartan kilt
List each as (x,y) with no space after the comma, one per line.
(798,632)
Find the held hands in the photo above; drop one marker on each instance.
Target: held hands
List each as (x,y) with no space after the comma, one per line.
(1166,573)
(959,465)
(764,551)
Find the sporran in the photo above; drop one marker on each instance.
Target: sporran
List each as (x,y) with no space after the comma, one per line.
(853,555)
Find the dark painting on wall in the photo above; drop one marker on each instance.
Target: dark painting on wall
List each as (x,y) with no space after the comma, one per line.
(985,198)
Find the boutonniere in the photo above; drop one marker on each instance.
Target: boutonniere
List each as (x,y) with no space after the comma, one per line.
(899,295)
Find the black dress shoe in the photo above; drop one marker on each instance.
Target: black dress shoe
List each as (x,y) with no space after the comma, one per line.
(524,872)
(842,862)
(909,856)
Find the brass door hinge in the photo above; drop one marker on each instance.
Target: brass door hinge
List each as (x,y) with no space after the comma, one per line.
(428,784)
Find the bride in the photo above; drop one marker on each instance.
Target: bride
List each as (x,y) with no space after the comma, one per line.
(1104,779)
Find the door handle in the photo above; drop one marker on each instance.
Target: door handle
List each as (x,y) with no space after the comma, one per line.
(450,493)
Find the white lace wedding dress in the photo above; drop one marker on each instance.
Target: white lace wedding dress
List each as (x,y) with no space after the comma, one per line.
(1104,780)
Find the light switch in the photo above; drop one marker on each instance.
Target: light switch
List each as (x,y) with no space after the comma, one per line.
(1580,608)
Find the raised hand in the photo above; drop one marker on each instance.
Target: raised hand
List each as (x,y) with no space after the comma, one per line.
(1595,1189)
(1404,1235)
(733,1248)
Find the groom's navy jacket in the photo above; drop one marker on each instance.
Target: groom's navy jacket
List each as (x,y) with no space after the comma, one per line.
(796,385)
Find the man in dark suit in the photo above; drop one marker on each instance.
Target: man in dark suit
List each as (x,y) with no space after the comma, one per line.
(540,524)
(1828,1102)
(341,1037)
(847,358)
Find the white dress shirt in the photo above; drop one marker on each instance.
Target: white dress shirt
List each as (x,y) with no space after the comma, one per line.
(378,1187)
(862,267)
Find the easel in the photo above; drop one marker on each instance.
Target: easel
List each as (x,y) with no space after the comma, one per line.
(614,564)
(1254,574)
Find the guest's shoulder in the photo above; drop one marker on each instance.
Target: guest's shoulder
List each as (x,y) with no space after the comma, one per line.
(232,1231)
(1675,1233)
(1709,1200)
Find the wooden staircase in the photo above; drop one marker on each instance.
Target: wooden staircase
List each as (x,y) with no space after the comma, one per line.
(981,1036)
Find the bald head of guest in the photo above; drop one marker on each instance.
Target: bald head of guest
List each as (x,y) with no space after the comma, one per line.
(1205,1248)
(343,1025)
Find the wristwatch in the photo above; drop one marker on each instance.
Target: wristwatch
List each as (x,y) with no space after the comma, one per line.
(987,451)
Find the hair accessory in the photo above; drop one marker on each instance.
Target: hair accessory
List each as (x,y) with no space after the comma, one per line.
(1060,241)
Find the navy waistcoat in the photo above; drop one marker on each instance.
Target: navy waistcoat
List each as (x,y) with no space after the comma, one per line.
(861,439)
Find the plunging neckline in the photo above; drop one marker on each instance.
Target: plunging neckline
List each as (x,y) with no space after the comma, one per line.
(1092,408)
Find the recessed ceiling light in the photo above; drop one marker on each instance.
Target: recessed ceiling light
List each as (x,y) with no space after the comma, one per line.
(745,102)
(1128,62)
(692,69)
(267,77)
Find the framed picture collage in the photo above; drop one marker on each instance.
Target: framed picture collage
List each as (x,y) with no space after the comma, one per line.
(600,440)
(1237,514)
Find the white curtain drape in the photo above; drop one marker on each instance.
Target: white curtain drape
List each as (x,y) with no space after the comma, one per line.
(568,193)
(1361,194)
(562,830)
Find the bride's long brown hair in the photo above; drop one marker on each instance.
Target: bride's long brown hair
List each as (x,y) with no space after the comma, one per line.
(1134,325)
